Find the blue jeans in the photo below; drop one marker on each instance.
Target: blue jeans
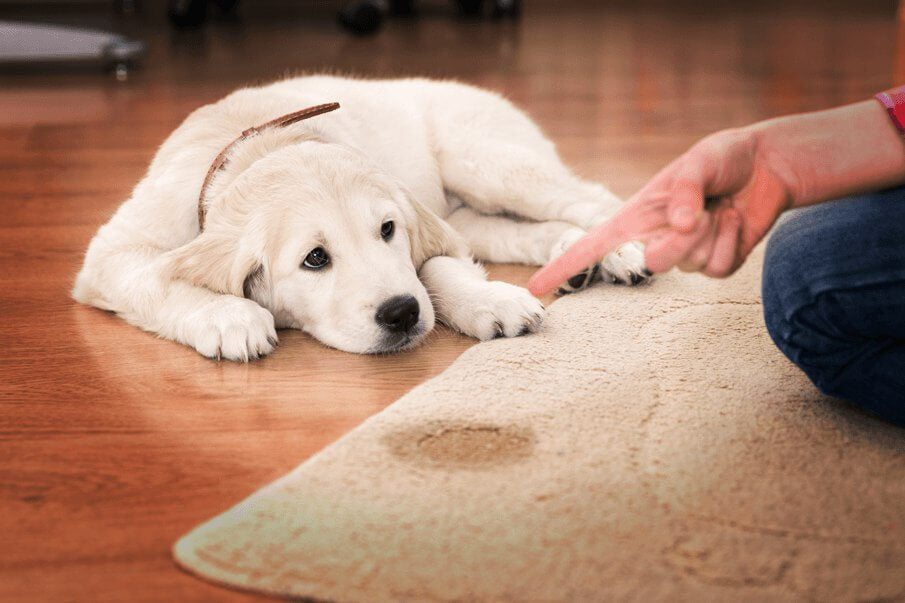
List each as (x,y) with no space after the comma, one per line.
(834,298)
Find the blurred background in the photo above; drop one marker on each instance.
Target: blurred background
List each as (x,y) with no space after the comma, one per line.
(622,86)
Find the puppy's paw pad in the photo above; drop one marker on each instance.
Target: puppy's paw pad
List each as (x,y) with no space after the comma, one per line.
(625,266)
(583,279)
(580,281)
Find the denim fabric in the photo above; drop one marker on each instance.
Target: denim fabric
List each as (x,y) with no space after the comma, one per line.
(834,298)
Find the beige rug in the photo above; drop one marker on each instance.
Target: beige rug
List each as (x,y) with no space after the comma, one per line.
(649,444)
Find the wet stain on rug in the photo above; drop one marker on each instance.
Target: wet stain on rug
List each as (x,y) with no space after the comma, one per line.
(462,445)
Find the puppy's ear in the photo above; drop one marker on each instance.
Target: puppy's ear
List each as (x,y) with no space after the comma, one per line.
(217,261)
(430,236)
(255,284)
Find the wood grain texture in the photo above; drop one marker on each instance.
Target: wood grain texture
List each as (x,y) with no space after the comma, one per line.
(112,442)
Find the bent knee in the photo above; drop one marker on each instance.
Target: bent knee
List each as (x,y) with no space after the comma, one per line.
(800,315)
(784,286)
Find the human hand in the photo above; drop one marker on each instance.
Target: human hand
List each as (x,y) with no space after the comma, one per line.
(703,212)
(718,200)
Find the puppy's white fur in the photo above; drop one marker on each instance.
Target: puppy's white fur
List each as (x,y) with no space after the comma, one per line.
(455,168)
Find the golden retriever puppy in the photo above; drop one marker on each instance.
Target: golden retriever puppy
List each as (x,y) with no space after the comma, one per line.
(355,224)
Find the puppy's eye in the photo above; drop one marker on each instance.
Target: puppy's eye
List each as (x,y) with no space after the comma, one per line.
(317,259)
(387,229)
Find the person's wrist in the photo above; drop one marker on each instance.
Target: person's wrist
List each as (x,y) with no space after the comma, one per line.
(771,156)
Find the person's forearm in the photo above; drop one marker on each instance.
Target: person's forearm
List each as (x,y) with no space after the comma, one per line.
(833,153)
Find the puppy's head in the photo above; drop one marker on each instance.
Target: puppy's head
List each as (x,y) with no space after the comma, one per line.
(315,233)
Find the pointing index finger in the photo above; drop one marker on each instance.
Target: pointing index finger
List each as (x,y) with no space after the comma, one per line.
(630,224)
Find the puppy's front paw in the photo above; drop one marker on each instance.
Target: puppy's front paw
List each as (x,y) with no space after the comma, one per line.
(234,328)
(498,309)
(625,266)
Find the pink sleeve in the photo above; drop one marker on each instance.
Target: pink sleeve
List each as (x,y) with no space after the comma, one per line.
(894,101)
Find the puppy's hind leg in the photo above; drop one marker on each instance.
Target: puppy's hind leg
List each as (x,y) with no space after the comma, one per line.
(619,267)
(502,239)
(526,178)
(495,176)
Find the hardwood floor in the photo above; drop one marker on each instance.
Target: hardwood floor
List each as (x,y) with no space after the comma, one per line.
(112,442)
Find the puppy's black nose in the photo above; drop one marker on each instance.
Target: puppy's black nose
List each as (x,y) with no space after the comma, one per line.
(398,314)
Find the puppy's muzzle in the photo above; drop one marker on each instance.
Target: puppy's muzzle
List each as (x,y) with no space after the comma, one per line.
(398,314)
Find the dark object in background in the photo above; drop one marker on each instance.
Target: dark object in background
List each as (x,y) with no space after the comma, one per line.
(192,13)
(507,8)
(366,16)
(361,17)
(500,9)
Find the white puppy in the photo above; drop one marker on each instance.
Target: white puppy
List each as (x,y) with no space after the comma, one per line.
(357,225)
